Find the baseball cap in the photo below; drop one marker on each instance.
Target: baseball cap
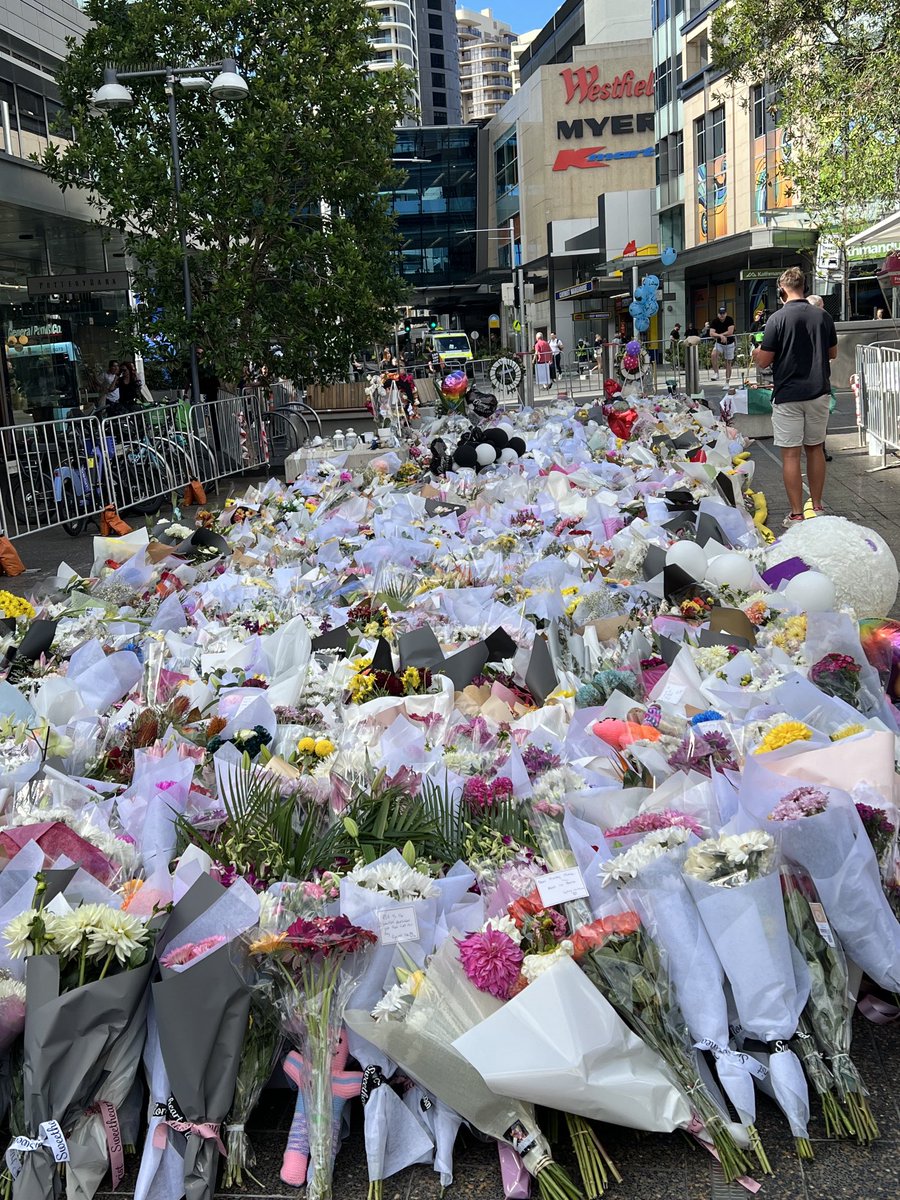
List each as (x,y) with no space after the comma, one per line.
(723,308)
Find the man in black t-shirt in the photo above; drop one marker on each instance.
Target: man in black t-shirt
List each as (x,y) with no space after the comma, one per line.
(722,331)
(799,343)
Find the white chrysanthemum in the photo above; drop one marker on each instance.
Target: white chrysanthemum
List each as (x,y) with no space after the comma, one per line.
(119,932)
(534,965)
(19,933)
(504,924)
(624,867)
(11,989)
(71,929)
(553,786)
(394,1002)
(394,879)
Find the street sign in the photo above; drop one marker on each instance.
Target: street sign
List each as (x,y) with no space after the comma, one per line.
(578,289)
(474,335)
(508,293)
(761,273)
(593,315)
(88,281)
(493,321)
(517,326)
(828,257)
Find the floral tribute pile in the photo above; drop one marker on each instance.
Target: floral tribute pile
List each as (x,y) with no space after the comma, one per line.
(518,800)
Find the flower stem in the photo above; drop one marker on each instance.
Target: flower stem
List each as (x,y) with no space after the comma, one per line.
(804,1148)
(591,1164)
(106,965)
(759,1150)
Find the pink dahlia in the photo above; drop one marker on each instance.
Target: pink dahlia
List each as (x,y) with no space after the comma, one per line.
(492,961)
(187,953)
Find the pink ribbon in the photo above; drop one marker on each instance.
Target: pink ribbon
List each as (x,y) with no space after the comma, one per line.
(516,1180)
(879,1012)
(110,1118)
(205,1129)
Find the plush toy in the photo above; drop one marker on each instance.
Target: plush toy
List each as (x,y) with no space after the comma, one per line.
(344,1086)
(857,560)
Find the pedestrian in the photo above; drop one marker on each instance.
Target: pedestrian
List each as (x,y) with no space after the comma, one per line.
(543,358)
(799,344)
(387,359)
(556,349)
(109,383)
(356,367)
(129,387)
(675,335)
(434,358)
(598,354)
(722,331)
(880,314)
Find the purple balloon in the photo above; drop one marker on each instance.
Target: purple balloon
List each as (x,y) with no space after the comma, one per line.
(633,347)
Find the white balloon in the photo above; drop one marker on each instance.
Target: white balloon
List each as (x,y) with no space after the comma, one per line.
(812,592)
(731,569)
(485,453)
(507,455)
(690,557)
(507,428)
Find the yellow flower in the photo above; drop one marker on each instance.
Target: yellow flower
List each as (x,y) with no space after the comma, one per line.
(783,735)
(268,943)
(307,745)
(411,679)
(323,747)
(569,591)
(847,731)
(14,606)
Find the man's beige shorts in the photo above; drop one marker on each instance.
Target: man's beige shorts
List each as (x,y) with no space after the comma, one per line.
(800,422)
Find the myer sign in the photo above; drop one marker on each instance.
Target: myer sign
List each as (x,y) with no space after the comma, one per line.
(584,86)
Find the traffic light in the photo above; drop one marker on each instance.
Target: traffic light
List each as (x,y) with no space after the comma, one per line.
(407,325)
(432,323)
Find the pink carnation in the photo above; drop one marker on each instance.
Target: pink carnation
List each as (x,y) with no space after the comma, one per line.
(492,961)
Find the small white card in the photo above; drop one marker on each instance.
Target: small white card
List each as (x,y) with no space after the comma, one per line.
(560,886)
(672,693)
(398,925)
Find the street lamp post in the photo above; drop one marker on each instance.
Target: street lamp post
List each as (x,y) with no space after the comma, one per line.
(226,84)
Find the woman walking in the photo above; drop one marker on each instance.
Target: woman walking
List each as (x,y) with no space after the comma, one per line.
(543,357)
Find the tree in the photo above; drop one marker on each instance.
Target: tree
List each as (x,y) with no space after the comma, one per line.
(292,249)
(831,66)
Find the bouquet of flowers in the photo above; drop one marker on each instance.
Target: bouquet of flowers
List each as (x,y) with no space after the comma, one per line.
(261,1049)
(736,887)
(651,872)
(311,969)
(623,962)
(87,971)
(837,675)
(825,1025)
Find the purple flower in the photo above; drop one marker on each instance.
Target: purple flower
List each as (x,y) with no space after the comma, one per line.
(801,802)
(650,821)
(491,960)
(538,761)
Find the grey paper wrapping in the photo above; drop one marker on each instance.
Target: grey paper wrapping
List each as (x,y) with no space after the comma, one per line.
(67,1040)
(202,1014)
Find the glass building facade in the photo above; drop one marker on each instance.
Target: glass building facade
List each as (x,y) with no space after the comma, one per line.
(436,207)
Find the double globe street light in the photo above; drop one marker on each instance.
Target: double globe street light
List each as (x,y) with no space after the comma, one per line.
(225,85)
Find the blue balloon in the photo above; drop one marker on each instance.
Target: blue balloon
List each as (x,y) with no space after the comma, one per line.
(636,309)
(642,324)
(651,308)
(668,256)
(638,293)
(651,283)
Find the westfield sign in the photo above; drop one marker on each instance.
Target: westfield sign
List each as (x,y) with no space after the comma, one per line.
(584,84)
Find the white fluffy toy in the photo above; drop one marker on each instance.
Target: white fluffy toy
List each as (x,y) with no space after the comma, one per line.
(857,560)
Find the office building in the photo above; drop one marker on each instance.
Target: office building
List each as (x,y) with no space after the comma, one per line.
(485,63)
(519,46)
(54,341)
(572,156)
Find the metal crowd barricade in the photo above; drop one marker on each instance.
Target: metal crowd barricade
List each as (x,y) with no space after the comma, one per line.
(147,455)
(52,474)
(233,435)
(878,369)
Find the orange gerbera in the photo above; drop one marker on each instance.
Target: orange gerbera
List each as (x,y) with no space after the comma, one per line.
(269,943)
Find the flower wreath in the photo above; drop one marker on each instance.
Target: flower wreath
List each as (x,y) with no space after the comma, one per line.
(631,368)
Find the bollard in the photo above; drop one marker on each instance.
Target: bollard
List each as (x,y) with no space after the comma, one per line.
(691,369)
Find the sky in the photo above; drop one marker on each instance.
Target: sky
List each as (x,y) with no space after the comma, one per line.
(521,14)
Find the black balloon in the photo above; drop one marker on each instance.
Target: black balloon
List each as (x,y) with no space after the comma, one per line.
(465,455)
(497,438)
(518,444)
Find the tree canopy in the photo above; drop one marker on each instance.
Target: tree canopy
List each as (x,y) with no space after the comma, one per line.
(832,67)
(292,252)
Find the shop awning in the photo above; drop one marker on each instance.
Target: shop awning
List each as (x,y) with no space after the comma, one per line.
(883,231)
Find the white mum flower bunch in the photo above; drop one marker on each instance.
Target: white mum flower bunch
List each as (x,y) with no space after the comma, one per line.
(732,859)
(626,866)
(91,939)
(395,879)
